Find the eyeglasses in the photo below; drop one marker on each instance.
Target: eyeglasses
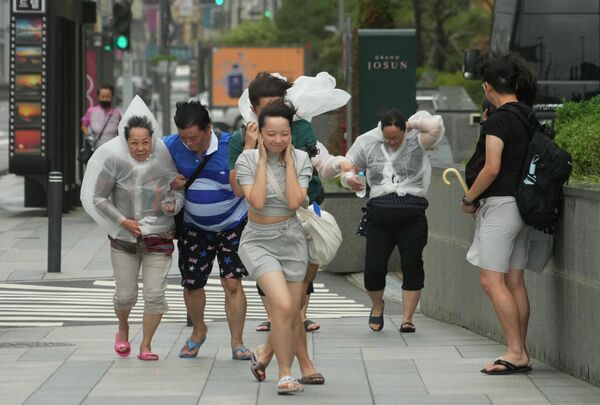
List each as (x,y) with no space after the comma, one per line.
(393,140)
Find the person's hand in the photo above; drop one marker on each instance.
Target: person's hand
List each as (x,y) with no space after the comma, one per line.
(178,182)
(251,137)
(345,166)
(288,156)
(167,205)
(262,151)
(469,209)
(132,226)
(355,184)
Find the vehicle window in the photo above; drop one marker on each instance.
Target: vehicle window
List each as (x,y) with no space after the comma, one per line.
(560,47)
(502,32)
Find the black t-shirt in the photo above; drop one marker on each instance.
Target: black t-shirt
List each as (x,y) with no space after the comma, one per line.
(506,126)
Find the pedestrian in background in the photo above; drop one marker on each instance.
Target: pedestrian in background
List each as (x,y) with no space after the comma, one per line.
(274,179)
(100,122)
(398,171)
(126,190)
(212,225)
(493,173)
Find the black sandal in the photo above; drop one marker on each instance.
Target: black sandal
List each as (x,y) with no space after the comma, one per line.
(407,327)
(376,320)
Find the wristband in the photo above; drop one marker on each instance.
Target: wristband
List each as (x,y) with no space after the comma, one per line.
(467,202)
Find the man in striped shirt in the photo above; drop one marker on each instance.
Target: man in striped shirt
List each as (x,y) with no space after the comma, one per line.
(213,222)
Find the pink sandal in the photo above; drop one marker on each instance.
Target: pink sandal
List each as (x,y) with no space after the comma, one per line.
(148,356)
(122,347)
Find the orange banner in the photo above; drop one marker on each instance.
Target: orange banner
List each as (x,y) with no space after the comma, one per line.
(234,68)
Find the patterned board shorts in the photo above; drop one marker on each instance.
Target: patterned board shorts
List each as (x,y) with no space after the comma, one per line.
(197,251)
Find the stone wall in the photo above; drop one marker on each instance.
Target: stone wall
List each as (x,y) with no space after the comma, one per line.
(564,328)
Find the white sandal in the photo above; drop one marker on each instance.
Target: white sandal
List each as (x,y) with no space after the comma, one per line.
(289,385)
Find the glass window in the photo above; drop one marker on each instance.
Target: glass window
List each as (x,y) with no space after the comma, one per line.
(502,32)
(560,47)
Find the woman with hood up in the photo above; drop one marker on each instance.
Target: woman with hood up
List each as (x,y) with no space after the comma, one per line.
(126,190)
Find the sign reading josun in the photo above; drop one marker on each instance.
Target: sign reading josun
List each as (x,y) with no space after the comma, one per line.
(387,62)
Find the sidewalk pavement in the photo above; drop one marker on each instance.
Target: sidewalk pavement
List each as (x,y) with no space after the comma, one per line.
(439,364)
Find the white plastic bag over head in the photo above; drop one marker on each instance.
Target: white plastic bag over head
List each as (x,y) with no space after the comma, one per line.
(311,96)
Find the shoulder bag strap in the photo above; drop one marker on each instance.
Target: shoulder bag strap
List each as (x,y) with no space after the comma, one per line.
(194,175)
(96,139)
(272,180)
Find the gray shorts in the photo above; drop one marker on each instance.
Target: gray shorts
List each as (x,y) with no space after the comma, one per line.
(276,247)
(500,242)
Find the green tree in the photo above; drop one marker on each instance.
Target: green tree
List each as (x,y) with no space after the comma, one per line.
(261,32)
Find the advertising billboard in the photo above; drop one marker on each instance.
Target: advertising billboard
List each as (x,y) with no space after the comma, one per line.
(234,68)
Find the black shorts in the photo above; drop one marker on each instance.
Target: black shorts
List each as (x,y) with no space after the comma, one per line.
(197,251)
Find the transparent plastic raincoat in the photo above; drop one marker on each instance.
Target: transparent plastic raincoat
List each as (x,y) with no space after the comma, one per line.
(406,170)
(117,187)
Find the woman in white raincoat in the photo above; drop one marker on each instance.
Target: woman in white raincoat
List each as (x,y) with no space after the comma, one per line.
(394,157)
(126,191)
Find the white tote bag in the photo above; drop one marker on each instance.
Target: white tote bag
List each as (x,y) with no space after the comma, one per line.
(323,234)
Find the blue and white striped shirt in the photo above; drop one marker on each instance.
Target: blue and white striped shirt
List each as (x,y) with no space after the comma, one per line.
(210,204)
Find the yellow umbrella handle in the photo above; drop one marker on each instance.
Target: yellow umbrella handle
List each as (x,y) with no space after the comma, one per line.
(457,175)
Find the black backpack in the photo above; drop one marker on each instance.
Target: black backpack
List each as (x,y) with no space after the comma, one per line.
(547,167)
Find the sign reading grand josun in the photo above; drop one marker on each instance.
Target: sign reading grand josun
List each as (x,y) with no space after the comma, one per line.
(387,73)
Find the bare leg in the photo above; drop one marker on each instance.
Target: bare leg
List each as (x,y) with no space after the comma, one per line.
(284,306)
(150,324)
(516,285)
(377,301)
(507,311)
(235,308)
(195,301)
(123,316)
(410,300)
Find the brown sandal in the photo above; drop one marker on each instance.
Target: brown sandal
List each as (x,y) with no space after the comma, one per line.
(257,368)
(313,379)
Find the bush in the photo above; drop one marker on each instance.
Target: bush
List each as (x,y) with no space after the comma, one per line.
(578,131)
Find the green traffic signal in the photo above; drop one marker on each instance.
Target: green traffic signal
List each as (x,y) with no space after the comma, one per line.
(219,2)
(268,14)
(107,47)
(122,42)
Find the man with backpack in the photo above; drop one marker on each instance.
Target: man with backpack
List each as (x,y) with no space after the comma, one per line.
(493,174)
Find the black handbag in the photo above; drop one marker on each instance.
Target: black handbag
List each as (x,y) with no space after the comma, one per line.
(179,216)
(89,145)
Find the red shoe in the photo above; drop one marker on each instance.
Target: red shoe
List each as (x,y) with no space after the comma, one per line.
(122,347)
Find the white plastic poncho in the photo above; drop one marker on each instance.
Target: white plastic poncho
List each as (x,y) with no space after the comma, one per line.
(117,187)
(407,170)
(311,96)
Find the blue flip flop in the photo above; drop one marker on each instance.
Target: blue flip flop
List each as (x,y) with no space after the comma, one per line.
(241,349)
(191,345)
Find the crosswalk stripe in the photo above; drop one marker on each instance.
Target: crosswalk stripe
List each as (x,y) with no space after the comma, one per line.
(42,305)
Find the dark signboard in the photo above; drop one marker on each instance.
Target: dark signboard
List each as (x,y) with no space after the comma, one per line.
(387,72)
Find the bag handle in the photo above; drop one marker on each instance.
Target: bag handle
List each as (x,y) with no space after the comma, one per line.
(96,139)
(272,181)
(196,173)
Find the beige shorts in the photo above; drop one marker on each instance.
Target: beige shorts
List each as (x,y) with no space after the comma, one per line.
(501,237)
(277,247)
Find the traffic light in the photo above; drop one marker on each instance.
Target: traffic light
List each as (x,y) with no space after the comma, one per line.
(268,13)
(219,2)
(122,25)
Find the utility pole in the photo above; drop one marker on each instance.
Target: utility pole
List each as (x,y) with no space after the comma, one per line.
(166,79)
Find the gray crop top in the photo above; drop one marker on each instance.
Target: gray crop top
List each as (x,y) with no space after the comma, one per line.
(246,172)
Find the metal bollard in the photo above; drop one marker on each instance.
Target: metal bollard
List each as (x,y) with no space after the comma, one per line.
(55,204)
